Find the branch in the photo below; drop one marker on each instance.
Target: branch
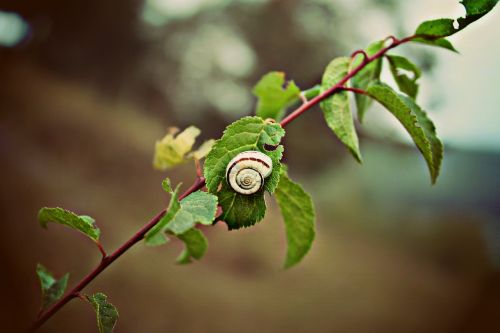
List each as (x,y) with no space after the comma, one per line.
(200,182)
(108,260)
(354,90)
(340,85)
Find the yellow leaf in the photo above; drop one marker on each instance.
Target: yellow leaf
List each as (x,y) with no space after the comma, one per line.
(171,150)
(203,150)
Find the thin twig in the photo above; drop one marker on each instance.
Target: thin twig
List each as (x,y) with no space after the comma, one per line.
(101,249)
(81,296)
(394,39)
(303,98)
(199,172)
(304,107)
(354,90)
(362,52)
(106,261)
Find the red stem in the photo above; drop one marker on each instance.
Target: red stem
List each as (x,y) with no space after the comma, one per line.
(306,106)
(101,249)
(354,90)
(108,260)
(200,183)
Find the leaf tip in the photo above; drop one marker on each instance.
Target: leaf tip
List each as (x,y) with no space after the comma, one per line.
(357,156)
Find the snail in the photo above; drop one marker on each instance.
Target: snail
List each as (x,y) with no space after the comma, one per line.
(245,173)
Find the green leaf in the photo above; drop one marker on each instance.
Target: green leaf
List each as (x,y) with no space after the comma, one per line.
(171,150)
(434,163)
(366,76)
(156,236)
(166,185)
(440,42)
(84,224)
(436,28)
(52,289)
(107,314)
(474,10)
(248,133)
(196,246)
(298,214)
(405,83)
(336,107)
(240,210)
(274,95)
(415,121)
(198,207)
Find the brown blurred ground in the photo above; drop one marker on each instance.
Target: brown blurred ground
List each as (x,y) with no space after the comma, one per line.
(390,256)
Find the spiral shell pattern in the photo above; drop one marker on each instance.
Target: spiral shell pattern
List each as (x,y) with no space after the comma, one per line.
(246,172)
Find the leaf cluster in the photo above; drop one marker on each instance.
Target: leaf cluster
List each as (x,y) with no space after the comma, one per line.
(180,220)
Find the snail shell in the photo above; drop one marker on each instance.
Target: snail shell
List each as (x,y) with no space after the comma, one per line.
(246,172)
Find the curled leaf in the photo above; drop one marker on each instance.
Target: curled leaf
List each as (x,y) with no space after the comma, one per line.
(52,289)
(196,246)
(83,223)
(406,84)
(336,108)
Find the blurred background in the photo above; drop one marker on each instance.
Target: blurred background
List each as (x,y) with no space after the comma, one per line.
(87,87)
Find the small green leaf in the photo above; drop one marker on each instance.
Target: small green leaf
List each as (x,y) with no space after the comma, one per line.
(298,214)
(405,83)
(196,246)
(198,207)
(436,28)
(474,10)
(336,107)
(166,185)
(156,236)
(107,314)
(84,224)
(415,121)
(248,133)
(274,96)
(366,76)
(440,42)
(171,150)
(240,210)
(52,289)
